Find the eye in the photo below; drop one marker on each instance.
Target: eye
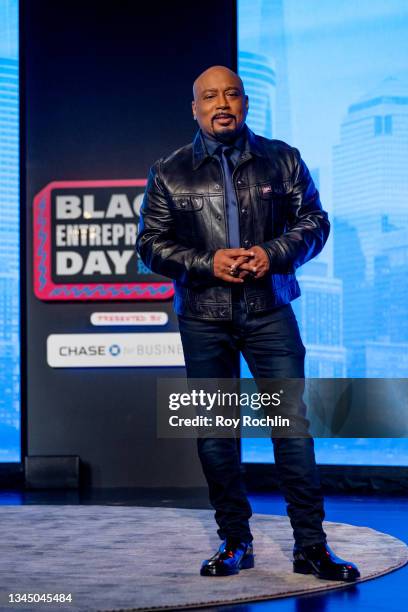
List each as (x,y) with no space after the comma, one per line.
(208,96)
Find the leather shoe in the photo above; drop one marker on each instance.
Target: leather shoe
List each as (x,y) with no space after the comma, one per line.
(231,557)
(321,561)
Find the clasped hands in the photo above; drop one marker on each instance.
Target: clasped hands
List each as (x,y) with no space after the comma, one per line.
(234,265)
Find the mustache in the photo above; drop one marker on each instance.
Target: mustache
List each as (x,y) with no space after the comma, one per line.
(218,115)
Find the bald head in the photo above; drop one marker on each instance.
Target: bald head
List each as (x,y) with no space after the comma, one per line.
(216,72)
(220,104)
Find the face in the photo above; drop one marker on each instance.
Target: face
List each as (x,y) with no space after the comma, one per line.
(220,104)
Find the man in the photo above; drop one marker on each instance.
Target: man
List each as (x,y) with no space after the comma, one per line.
(229,218)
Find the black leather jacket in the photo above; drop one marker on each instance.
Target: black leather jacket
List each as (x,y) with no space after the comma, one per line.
(183,223)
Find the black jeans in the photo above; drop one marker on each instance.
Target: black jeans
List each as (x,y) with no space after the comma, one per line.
(272,347)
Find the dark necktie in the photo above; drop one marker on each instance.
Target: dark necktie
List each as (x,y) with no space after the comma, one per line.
(230,197)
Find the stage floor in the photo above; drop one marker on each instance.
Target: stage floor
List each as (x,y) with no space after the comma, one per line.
(385,514)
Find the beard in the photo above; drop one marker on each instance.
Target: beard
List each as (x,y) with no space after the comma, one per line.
(227,134)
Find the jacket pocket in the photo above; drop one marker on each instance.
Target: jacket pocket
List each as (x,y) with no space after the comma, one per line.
(187,203)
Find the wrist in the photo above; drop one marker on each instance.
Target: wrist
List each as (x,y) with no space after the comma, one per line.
(268,254)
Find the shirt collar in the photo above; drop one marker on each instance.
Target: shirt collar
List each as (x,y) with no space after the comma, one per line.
(211,144)
(253,146)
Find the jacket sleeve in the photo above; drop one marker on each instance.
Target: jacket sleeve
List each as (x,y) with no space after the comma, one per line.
(307,225)
(157,243)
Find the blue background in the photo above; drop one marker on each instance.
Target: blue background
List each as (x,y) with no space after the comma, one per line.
(330,78)
(9,236)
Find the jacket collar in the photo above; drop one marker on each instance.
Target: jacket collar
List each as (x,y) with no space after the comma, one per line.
(252,147)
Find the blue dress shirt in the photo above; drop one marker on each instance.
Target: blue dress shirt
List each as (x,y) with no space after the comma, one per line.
(228,154)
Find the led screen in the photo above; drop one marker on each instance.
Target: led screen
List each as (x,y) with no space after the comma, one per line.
(331,78)
(9,236)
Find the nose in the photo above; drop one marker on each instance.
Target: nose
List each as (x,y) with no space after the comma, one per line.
(222,102)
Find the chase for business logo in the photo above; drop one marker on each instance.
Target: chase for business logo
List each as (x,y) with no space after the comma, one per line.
(84,243)
(145,349)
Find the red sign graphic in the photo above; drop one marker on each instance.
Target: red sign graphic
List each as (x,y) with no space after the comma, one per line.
(75,235)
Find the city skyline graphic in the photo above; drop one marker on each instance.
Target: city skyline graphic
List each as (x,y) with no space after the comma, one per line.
(341,70)
(9,236)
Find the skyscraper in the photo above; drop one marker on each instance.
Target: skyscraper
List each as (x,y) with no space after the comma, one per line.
(264,71)
(369,166)
(260,81)
(370,183)
(391,288)
(273,43)
(320,316)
